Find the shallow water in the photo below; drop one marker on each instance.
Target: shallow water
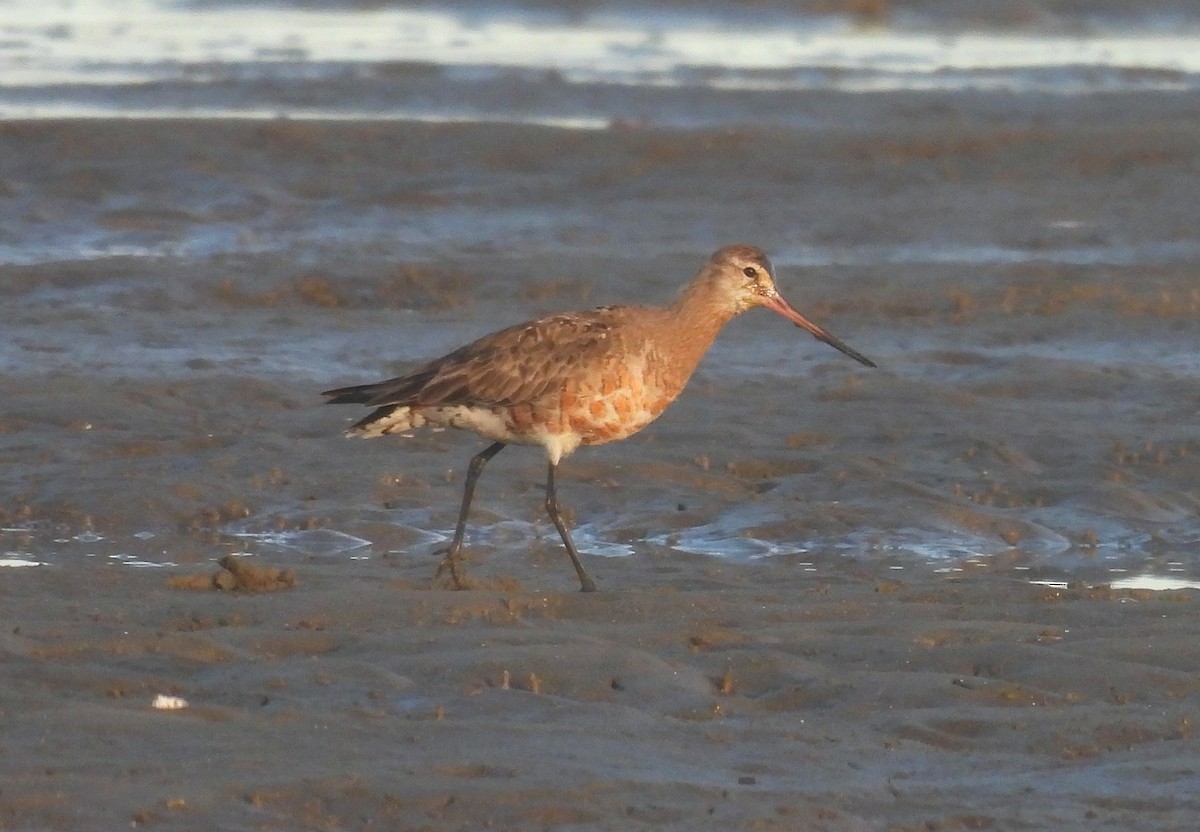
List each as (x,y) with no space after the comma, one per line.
(580,66)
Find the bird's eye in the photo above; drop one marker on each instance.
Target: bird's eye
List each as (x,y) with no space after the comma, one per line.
(750,271)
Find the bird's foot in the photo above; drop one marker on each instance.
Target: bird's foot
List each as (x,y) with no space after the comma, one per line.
(450,565)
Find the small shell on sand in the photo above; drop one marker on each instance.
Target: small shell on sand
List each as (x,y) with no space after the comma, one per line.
(162,702)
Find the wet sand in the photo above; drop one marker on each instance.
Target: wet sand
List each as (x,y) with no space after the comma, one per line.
(888,665)
(685,695)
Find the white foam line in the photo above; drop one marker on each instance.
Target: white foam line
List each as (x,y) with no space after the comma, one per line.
(71,110)
(49,43)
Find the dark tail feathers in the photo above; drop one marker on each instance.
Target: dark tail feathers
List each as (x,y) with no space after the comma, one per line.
(358,394)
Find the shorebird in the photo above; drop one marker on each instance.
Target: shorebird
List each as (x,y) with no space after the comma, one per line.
(575,378)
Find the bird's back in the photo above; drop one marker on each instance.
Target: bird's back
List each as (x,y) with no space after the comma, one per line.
(559,381)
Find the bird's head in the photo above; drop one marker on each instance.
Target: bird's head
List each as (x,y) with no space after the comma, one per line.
(742,278)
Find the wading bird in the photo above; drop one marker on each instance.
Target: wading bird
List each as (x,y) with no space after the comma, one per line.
(576,378)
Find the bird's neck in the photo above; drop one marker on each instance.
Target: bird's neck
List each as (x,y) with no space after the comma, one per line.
(692,324)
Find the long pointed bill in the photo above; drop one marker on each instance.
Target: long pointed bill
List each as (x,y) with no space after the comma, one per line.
(777,304)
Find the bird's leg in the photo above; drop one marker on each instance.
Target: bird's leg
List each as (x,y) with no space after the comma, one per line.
(586,584)
(460,531)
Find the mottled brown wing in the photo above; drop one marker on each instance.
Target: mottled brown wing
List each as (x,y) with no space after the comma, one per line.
(520,364)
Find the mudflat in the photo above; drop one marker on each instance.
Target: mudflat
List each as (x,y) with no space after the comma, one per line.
(830,597)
